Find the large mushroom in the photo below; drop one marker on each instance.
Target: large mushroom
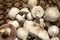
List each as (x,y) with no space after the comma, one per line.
(7,32)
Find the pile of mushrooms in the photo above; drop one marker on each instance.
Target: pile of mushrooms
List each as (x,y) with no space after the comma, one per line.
(35,21)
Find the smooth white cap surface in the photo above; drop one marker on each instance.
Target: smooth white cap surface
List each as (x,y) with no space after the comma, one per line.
(13,12)
(53,31)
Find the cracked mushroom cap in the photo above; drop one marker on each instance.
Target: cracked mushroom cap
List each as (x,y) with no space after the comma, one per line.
(4,36)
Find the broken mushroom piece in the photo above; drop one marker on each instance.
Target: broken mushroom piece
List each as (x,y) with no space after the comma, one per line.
(53,31)
(51,14)
(32,3)
(9,33)
(13,12)
(37,11)
(22,33)
(14,23)
(55,38)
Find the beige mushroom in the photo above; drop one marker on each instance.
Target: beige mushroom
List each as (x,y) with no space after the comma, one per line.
(37,11)
(29,16)
(22,33)
(14,23)
(13,12)
(36,30)
(51,14)
(42,24)
(53,31)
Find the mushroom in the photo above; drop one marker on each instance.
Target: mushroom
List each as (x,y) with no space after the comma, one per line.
(22,33)
(29,16)
(13,12)
(20,18)
(55,38)
(53,31)
(7,32)
(36,30)
(51,14)
(42,24)
(37,11)
(32,3)
(43,34)
(28,25)
(14,23)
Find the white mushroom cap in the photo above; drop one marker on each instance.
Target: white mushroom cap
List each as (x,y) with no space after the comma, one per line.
(55,38)
(28,25)
(53,31)
(29,16)
(43,35)
(14,23)
(20,18)
(22,33)
(37,11)
(51,14)
(13,12)
(32,3)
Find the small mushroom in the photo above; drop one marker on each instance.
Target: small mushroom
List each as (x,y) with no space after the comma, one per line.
(22,33)
(53,31)
(14,23)
(37,11)
(42,24)
(28,25)
(29,16)
(32,3)
(9,32)
(51,14)
(13,12)
(55,38)
(20,18)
